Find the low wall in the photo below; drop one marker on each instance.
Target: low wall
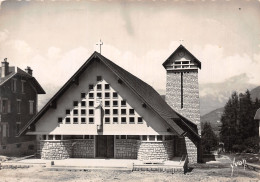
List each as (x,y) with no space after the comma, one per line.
(126,149)
(160,150)
(83,148)
(55,150)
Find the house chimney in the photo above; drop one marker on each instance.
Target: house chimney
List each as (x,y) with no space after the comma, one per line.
(4,68)
(29,70)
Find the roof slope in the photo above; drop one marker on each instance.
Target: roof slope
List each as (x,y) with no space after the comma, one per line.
(17,71)
(181,47)
(144,91)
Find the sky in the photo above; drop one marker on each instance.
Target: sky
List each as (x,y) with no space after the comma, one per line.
(55,38)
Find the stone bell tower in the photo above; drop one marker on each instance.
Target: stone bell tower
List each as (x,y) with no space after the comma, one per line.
(182,89)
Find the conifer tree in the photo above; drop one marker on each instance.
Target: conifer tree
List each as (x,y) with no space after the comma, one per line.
(229,130)
(209,140)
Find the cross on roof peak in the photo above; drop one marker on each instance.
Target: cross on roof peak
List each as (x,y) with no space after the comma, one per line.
(100,43)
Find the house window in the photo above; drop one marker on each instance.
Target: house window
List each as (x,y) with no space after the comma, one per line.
(5,132)
(123,111)
(107,95)
(99,87)
(67,111)
(107,111)
(131,111)
(159,138)
(91,95)
(75,112)
(107,120)
(115,111)
(144,137)
(83,95)
(83,112)
(83,103)
(99,78)
(123,103)
(115,103)
(50,137)
(6,106)
(91,120)
(115,95)
(31,106)
(13,85)
(123,120)
(23,86)
(60,120)
(107,103)
(75,103)
(115,120)
(91,111)
(131,120)
(83,120)
(91,103)
(107,86)
(99,94)
(75,120)
(123,136)
(57,137)
(151,137)
(67,120)
(140,120)
(18,106)
(91,87)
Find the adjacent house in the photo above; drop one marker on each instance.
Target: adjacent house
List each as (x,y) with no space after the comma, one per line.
(18,104)
(103,111)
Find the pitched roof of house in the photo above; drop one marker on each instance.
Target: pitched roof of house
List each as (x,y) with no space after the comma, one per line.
(257,115)
(144,91)
(13,71)
(182,48)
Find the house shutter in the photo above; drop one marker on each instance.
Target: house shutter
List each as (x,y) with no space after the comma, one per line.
(9,106)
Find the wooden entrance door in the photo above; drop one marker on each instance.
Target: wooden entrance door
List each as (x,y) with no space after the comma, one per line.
(105,146)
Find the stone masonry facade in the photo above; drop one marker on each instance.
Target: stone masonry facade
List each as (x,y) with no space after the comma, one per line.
(191,107)
(191,103)
(55,150)
(161,150)
(63,149)
(126,149)
(83,148)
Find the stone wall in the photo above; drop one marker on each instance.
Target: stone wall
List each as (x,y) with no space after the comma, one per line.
(160,150)
(83,148)
(55,150)
(191,103)
(126,148)
(191,150)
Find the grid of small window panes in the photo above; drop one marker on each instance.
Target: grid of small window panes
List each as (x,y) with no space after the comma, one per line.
(116,109)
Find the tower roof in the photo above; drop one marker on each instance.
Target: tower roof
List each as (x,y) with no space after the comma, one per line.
(181,48)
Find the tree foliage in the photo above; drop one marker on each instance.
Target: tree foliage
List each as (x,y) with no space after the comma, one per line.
(209,140)
(238,122)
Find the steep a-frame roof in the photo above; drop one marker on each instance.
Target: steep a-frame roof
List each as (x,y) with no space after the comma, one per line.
(144,91)
(13,71)
(179,49)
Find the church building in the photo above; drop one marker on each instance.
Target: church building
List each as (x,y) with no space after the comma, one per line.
(103,111)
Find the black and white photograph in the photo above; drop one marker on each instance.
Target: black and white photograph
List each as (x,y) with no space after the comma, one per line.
(129,90)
